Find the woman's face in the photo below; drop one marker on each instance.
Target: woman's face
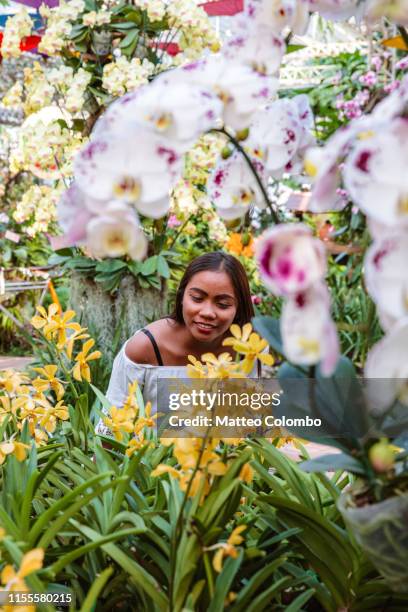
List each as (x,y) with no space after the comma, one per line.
(209,305)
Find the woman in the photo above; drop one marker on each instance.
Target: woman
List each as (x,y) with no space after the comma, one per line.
(213,294)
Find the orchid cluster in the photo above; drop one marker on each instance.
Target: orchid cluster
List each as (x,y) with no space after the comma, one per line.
(79,78)
(368,158)
(36,209)
(25,401)
(35,405)
(292,265)
(17,27)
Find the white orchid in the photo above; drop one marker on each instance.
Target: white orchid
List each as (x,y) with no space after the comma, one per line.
(386,369)
(256,46)
(375,172)
(116,233)
(324,165)
(73,216)
(241,89)
(394,10)
(290,259)
(276,15)
(281,133)
(139,170)
(386,275)
(233,188)
(180,111)
(308,333)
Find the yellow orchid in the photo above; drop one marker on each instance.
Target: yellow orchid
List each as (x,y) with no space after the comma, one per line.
(58,326)
(81,369)
(166,469)
(251,345)
(44,318)
(79,334)
(228,548)
(40,437)
(11,447)
(7,406)
(50,415)
(119,421)
(221,366)
(247,473)
(196,369)
(147,421)
(49,381)
(11,381)
(14,581)
(199,481)
(131,401)
(136,444)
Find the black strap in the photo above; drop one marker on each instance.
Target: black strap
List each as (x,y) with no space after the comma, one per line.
(154,344)
(259,368)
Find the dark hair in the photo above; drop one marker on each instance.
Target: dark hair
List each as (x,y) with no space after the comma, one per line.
(218,261)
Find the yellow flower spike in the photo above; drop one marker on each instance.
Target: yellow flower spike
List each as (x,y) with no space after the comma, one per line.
(20,450)
(49,381)
(11,381)
(31,562)
(77,335)
(217,468)
(119,421)
(247,473)
(44,318)
(14,581)
(81,369)
(165,469)
(227,549)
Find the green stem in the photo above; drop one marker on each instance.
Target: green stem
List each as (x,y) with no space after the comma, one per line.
(177,528)
(209,574)
(176,237)
(251,166)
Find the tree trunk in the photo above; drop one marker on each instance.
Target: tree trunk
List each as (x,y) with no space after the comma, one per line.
(112,319)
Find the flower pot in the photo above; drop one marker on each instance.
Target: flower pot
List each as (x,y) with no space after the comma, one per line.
(113,318)
(381,529)
(101,43)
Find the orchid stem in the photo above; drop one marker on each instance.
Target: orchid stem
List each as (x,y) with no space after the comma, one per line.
(248,160)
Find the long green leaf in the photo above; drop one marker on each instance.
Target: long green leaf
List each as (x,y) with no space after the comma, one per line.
(64,561)
(224,582)
(57,525)
(91,599)
(139,576)
(44,519)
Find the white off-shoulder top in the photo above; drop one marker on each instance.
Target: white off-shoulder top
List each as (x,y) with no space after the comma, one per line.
(126,371)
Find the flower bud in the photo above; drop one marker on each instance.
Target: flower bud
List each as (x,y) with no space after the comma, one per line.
(226,152)
(382,456)
(242,134)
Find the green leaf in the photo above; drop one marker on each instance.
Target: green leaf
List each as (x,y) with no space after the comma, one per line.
(130,39)
(297,604)
(138,575)
(332,463)
(255,582)
(224,582)
(92,597)
(108,266)
(269,328)
(163,267)
(149,266)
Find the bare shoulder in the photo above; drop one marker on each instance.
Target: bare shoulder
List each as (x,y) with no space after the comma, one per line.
(139,349)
